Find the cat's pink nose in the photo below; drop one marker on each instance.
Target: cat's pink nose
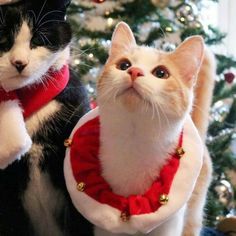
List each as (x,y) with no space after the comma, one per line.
(135,72)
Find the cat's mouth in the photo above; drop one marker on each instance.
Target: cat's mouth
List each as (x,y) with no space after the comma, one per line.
(131,93)
(130,90)
(21,77)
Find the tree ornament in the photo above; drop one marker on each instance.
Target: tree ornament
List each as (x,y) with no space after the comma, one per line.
(186,12)
(195,24)
(229,77)
(225,193)
(93,103)
(167,46)
(98,1)
(160,3)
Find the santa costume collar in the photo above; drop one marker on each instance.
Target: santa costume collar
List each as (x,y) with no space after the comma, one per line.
(33,97)
(94,198)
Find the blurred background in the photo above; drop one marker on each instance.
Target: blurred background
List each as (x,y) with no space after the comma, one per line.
(164,24)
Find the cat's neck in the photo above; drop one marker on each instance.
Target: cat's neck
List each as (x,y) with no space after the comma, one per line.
(134,147)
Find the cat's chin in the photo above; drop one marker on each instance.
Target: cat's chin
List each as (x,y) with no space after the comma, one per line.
(15,82)
(131,98)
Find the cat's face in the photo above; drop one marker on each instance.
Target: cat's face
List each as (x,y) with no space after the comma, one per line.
(144,79)
(31,42)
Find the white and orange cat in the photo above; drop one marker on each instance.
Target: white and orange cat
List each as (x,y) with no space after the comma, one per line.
(145,99)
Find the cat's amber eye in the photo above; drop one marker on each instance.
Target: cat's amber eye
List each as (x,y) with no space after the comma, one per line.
(161,72)
(123,64)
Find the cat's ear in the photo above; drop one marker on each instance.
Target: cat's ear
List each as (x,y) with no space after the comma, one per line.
(122,39)
(188,58)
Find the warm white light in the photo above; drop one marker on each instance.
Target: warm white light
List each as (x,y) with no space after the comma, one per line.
(110,21)
(77,61)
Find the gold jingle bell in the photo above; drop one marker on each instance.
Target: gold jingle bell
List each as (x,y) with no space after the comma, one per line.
(163,199)
(124,217)
(67,142)
(180,152)
(81,186)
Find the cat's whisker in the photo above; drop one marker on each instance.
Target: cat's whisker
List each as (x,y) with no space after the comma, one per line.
(41,36)
(115,94)
(41,10)
(48,21)
(199,109)
(81,52)
(48,13)
(164,114)
(44,36)
(107,95)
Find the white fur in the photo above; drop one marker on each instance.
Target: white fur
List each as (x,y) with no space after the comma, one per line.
(108,217)
(134,148)
(14,139)
(41,204)
(41,199)
(38,62)
(35,122)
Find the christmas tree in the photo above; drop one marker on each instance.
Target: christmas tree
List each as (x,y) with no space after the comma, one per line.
(164,24)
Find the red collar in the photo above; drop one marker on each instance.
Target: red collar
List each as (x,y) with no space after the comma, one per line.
(33,97)
(86,170)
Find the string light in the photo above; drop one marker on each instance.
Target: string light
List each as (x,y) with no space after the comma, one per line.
(110,21)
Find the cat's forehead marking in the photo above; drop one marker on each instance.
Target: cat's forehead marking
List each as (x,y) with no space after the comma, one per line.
(24,34)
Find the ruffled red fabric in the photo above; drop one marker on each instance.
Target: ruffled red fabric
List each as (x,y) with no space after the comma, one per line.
(32,98)
(6,96)
(86,168)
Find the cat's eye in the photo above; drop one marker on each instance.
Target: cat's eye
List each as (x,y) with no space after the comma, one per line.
(37,40)
(3,39)
(161,72)
(123,64)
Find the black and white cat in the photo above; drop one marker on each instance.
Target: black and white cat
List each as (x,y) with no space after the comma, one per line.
(34,51)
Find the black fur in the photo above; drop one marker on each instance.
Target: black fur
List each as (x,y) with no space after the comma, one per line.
(14,221)
(14,180)
(48,26)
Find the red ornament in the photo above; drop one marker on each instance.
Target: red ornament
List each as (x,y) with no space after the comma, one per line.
(229,77)
(93,103)
(98,1)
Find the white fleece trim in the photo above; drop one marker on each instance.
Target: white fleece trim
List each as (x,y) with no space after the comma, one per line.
(14,139)
(108,218)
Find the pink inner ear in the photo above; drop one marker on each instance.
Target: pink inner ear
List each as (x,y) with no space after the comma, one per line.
(122,39)
(188,57)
